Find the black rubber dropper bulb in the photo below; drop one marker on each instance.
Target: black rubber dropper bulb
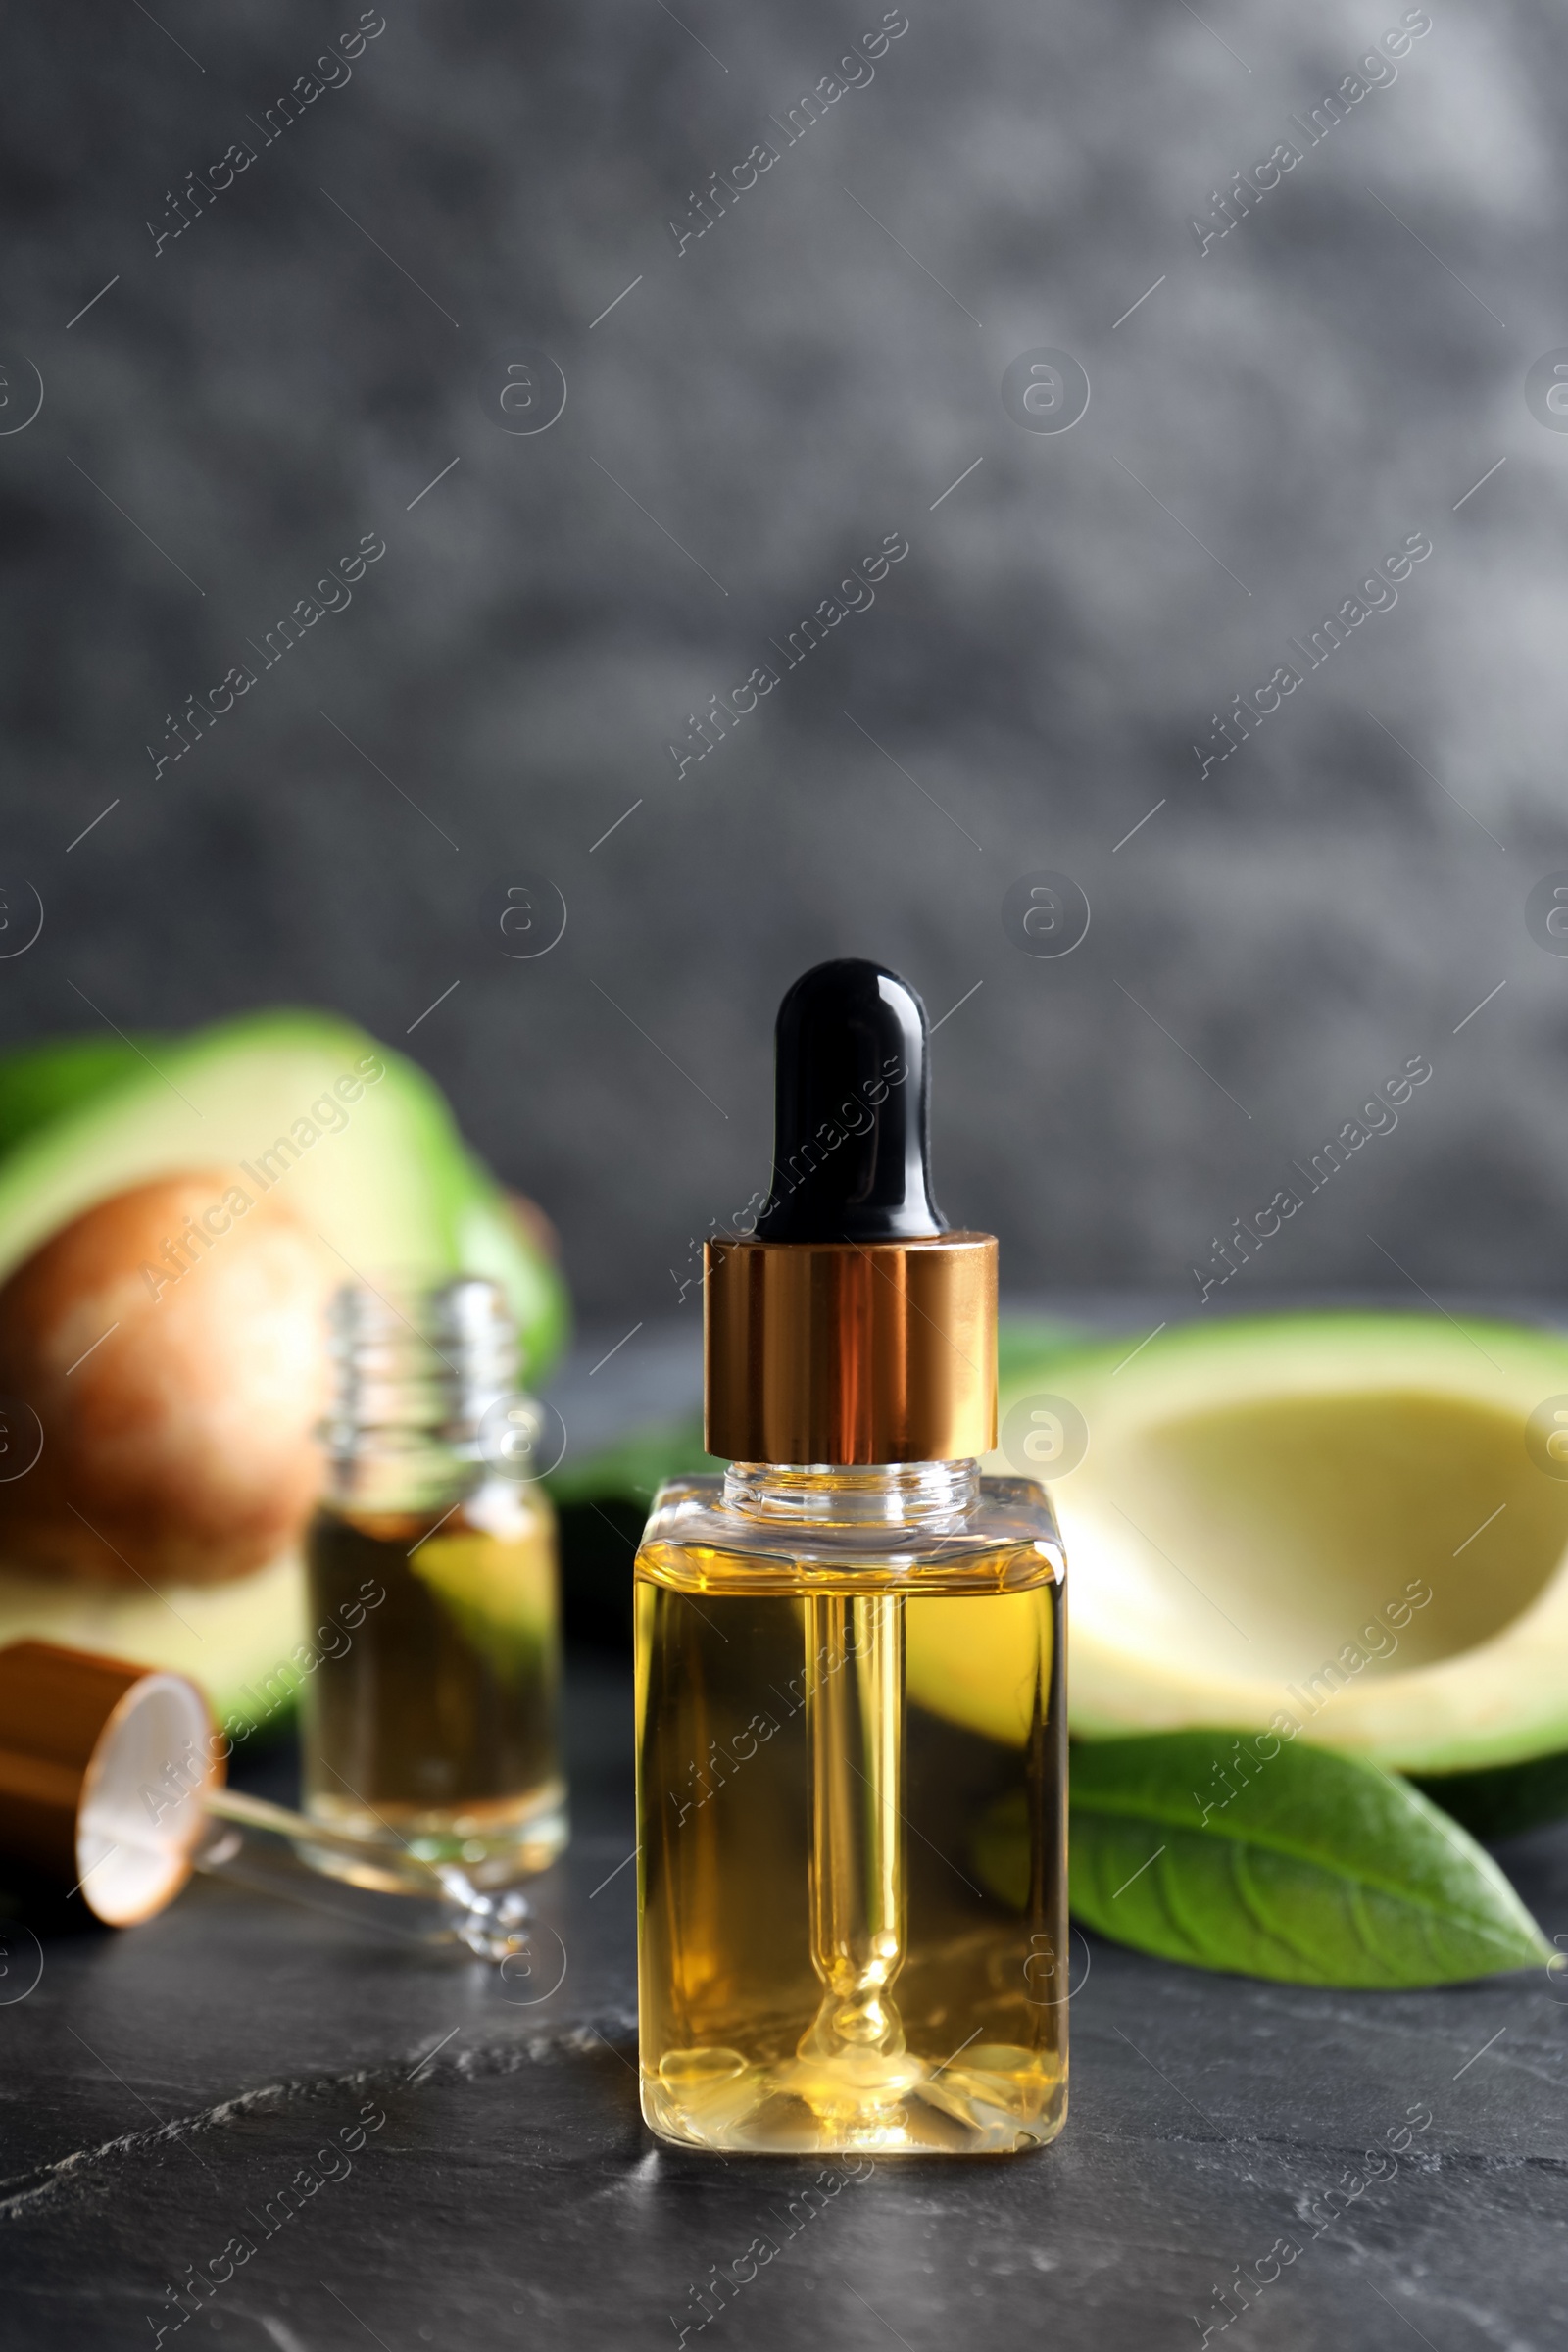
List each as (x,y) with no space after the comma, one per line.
(851,1155)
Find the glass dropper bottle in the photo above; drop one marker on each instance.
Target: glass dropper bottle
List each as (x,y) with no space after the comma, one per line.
(821,1969)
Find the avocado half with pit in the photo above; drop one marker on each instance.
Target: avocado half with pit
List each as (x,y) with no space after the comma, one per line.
(335,1137)
(1347,1525)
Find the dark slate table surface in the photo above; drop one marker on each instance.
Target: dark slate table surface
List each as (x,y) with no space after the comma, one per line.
(160,2089)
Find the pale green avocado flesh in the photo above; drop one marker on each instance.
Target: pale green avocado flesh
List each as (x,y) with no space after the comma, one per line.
(385,1178)
(1327,1521)
(246,1642)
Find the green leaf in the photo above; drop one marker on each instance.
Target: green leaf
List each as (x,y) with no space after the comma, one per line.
(1307,1867)
(1498,1800)
(1029,1349)
(635,1466)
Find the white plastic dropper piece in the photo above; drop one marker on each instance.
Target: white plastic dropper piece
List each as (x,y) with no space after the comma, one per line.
(149,1808)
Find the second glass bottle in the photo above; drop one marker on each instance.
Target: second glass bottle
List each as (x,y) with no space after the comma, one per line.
(433,1728)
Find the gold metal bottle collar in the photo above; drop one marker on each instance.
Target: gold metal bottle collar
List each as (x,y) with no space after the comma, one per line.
(845,1351)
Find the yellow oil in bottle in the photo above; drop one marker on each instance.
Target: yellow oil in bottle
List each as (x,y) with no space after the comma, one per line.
(435,1726)
(821,1967)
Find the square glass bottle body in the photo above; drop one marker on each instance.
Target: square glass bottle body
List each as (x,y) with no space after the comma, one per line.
(819,1751)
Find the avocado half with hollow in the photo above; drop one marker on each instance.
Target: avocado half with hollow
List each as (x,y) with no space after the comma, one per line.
(334,1136)
(1351,1525)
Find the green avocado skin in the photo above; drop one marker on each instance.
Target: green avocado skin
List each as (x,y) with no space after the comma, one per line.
(1501,1799)
(44,1082)
(37,1083)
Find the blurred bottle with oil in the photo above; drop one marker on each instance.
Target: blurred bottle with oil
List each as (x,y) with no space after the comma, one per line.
(435,1731)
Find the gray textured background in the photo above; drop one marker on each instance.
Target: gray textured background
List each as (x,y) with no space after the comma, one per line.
(1333,375)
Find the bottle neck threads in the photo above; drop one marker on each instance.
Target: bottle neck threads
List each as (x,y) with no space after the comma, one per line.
(419,1367)
(873,1495)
